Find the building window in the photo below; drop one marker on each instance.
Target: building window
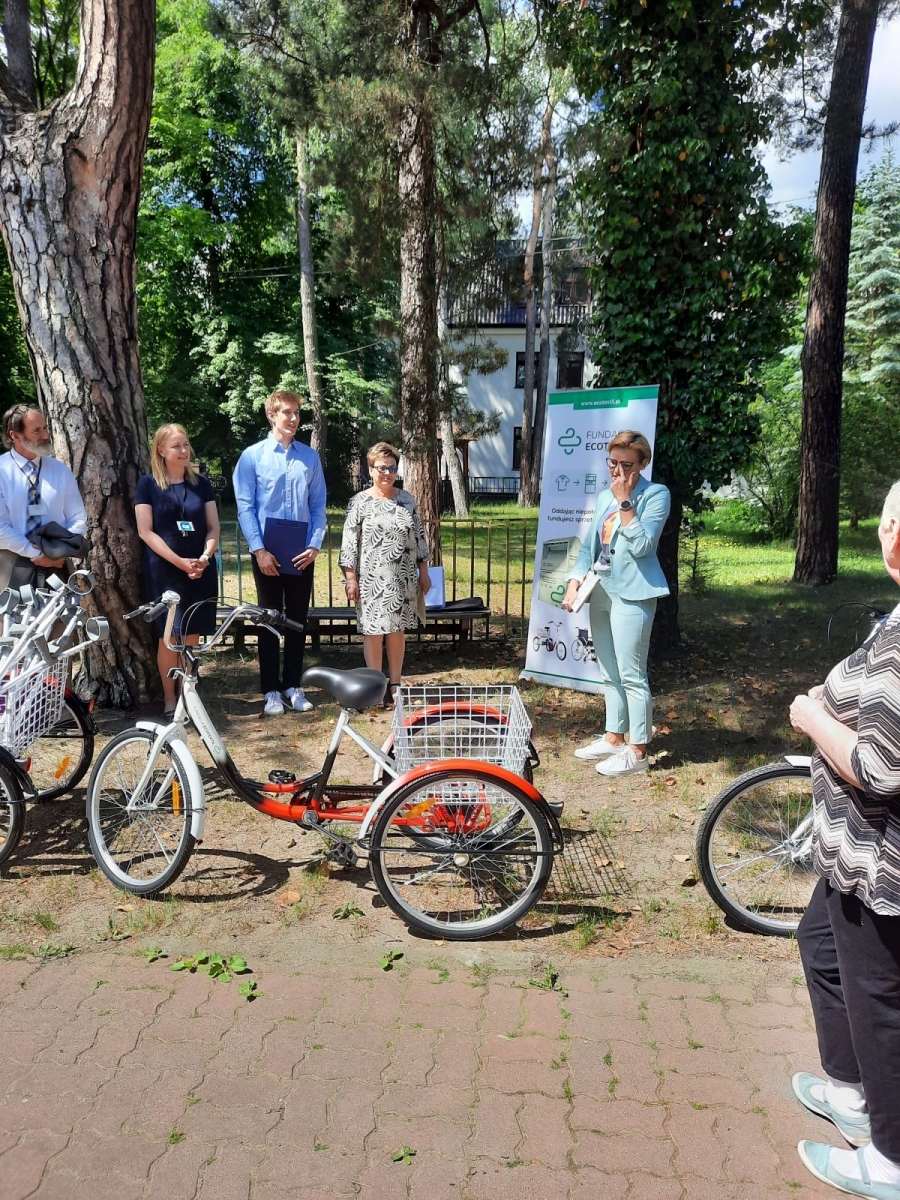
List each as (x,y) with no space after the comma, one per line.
(570,370)
(517,448)
(520,368)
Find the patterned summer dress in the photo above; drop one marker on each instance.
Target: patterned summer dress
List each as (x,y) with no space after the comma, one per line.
(383,542)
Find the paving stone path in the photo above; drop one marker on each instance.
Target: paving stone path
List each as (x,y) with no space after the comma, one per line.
(651,1079)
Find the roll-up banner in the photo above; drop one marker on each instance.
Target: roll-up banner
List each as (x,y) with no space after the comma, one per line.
(560,649)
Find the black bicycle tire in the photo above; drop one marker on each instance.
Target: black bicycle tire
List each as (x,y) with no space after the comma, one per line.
(12,799)
(561,645)
(490,926)
(741,916)
(79,711)
(186,842)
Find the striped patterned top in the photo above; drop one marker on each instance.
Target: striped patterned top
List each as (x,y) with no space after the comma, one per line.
(856,835)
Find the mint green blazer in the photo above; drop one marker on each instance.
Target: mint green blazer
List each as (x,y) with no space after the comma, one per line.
(635,573)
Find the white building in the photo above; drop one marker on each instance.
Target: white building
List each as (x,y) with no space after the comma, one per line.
(498,314)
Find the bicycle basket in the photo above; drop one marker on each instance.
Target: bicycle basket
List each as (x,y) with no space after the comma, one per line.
(31,702)
(488,723)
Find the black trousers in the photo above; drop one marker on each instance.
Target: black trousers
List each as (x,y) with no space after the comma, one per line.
(851,957)
(290,594)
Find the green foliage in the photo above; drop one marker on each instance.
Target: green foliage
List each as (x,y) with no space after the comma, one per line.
(387,960)
(16,382)
(693,277)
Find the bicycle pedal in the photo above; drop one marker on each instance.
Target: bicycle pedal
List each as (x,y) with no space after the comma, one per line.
(279,776)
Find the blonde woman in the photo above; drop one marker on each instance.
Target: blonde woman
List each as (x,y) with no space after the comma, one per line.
(621,550)
(384,557)
(178,523)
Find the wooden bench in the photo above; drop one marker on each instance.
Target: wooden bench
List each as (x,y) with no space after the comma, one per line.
(459,623)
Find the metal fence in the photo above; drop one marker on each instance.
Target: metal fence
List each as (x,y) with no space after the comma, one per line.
(490,558)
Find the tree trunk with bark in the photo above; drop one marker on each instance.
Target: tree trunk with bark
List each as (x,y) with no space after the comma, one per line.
(69,188)
(529,480)
(419,403)
(540,408)
(448,437)
(308,303)
(823,344)
(17,35)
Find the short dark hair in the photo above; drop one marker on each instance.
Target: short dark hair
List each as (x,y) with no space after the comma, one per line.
(14,421)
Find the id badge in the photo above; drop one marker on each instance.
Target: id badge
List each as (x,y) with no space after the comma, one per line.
(186,527)
(36,510)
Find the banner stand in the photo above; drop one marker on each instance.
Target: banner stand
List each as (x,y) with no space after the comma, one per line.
(560,649)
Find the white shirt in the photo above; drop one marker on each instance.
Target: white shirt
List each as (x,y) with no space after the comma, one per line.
(60,501)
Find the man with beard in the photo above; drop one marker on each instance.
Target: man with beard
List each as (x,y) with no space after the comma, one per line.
(42,517)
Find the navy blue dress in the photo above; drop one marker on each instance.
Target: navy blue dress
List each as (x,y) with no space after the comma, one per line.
(180,502)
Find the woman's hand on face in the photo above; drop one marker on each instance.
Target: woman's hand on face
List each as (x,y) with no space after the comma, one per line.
(571,592)
(622,484)
(802,711)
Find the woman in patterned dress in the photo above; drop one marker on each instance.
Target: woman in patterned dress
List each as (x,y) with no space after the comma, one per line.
(849,937)
(384,557)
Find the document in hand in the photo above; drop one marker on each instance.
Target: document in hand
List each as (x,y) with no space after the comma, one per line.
(585,588)
(285,539)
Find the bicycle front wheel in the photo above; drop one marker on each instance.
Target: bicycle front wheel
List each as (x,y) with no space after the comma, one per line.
(12,814)
(60,757)
(140,837)
(461,854)
(754,849)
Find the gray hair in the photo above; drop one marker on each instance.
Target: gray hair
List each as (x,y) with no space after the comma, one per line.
(891,507)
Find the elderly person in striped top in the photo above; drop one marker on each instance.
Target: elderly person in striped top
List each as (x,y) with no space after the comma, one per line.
(849,937)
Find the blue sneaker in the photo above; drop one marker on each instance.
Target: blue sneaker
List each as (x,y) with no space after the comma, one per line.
(856,1130)
(816,1158)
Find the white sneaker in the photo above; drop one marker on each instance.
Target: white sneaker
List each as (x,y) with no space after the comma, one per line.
(274,705)
(598,748)
(297,701)
(623,762)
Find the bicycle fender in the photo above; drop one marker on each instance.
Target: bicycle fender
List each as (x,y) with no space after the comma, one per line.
(500,773)
(26,789)
(798,760)
(191,770)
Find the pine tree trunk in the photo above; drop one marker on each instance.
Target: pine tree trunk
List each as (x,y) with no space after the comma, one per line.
(529,480)
(540,408)
(448,437)
(69,189)
(17,34)
(417,187)
(308,303)
(823,343)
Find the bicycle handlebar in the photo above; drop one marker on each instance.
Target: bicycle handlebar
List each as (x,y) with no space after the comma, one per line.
(169,601)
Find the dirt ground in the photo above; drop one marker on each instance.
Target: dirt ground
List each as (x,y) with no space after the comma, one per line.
(625,884)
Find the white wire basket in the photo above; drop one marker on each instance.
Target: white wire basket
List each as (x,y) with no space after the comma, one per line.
(31,702)
(488,723)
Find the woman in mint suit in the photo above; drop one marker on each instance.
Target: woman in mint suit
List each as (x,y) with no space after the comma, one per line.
(621,549)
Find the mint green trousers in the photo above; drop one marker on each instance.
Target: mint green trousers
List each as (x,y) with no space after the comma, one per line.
(621,632)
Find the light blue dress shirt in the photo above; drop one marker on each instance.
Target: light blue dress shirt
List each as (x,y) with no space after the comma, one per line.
(60,501)
(286,483)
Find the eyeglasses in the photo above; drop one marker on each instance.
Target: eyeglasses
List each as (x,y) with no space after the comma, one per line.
(385,470)
(612,463)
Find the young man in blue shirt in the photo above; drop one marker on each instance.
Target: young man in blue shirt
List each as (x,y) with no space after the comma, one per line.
(280,490)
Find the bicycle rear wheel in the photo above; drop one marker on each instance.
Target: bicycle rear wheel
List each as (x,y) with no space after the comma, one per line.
(754,849)
(12,814)
(461,854)
(60,757)
(145,848)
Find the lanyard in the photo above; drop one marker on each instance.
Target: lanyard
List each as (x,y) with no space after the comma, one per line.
(34,485)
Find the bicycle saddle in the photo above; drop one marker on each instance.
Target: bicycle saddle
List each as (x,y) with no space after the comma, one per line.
(360,688)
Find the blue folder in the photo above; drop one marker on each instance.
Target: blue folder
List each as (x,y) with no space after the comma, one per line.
(285,539)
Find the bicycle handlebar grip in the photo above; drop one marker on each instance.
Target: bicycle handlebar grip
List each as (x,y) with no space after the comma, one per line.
(152,611)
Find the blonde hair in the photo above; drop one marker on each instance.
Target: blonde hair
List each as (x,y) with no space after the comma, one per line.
(158,463)
(382,450)
(278,399)
(628,438)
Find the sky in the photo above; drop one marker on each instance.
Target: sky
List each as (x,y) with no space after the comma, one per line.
(794,180)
